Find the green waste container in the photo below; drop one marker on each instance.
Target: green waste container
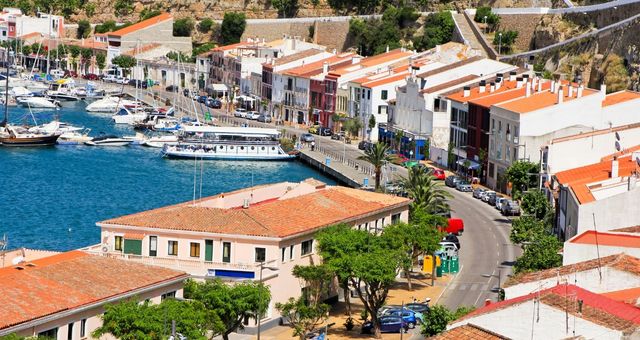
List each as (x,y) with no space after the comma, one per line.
(439,271)
(454,265)
(445,265)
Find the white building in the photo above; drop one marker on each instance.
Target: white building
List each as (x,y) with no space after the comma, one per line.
(560,312)
(14,24)
(590,245)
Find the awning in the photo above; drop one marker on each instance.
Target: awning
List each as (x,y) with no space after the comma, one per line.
(472,164)
(133,236)
(218,87)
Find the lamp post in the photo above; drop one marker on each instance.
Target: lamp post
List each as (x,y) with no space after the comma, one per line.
(500,43)
(485,24)
(259,315)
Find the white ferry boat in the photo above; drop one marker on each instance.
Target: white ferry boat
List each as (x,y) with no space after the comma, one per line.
(227,143)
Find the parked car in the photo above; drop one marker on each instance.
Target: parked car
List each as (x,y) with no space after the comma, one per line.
(138,83)
(448,247)
(214,103)
(418,307)
(122,80)
(202,99)
(337,136)
(325,131)
(240,113)
(265,118)
(90,76)
(500,201)
(307,137)
(492,200)
(510,208)
(408,316)
(478,192)
(464,186)
(439,174)
(487,196)
(453,239)
(455,226)
(388,324)
(314,129)
(70,74)
(253,115)
(385,308)
(365,145)
(451,181)
(172,88)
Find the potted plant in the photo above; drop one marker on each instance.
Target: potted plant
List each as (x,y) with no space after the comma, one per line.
(348,324)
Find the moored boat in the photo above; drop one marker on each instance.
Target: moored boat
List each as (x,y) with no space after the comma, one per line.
(108,140)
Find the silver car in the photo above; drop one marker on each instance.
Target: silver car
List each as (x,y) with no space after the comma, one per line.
(500,202)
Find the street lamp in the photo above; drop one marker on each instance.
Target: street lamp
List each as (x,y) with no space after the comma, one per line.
(485,24)
(499,43)
(259,316)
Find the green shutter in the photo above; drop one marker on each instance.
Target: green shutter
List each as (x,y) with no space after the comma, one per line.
(133,247)
(208,250)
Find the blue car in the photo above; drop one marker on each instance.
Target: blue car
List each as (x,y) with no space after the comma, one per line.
(410,317)
(388,324)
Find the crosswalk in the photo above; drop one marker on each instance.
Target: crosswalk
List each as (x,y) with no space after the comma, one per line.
(470,286)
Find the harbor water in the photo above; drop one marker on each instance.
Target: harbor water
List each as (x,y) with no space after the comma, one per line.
(51,197)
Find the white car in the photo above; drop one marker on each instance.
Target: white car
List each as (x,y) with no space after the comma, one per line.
(500,201)
(449,248)
(110,78)
(253,115)
(240,112)
(122,80)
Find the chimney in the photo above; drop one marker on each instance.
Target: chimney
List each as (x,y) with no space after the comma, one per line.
(245,203)
(499,75)
(334,51)
(518,82)
(533,83)
(579,91)
(570,93)
(482,87)
(387,51)
(539,85)
(466,91)
(525,78)
(527,91)
(603,88)
(553,86)
(437,48)
(325,67)
(355,59)
(492,87)
(560,94)
(498,83)
(614,167)
(512,75)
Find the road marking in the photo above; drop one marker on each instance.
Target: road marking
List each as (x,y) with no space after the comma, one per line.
(463,287)
(446,288)
(474,286)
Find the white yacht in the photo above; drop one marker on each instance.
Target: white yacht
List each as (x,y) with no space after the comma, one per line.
(55,126)
(126,116)
(230,143)
(63,89)
(109,140)
(75,137)
(160,141)
(109,104)
(38,102)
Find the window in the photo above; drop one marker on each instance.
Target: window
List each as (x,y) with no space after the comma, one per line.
(70,331)
(515,153)
(368,94)
(226,252)
(83,328)
(173,248)
(118,243)
(307,247)
(153,245)
(261,254)
(291,252)
(52,333)
(384,94)
(283,254)
(395,218)
(194,249)
(169,295)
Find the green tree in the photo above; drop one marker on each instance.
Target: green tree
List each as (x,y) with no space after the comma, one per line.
(378,156)
(374,36)
(125,62)
(428,195)
(132,320)
(542,253)
(229,305)
(436,320)
(522,175)
(492,19)
(85,54)
(123,7)
(90,9)
(352,126)
(286,8)
(505,39)
(534,202)
(183,27)
(107,26)
(372,124)
(526,229)
(84,29)
(616,74)
(101,61)
(232,28)
(205,25)
(437,30)
(148,13)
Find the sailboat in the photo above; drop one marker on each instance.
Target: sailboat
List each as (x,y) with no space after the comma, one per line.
(13,135)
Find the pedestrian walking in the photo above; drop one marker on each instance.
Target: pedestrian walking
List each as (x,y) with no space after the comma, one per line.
(313,146)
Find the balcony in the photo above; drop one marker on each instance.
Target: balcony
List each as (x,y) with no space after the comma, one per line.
(195,267)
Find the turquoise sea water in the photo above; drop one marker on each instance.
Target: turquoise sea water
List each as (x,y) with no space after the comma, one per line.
(51,198)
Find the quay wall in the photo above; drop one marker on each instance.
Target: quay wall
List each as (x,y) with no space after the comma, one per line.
(328,170)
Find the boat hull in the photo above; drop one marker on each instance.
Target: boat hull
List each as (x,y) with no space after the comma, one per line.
(214,156)
(92,143)
(29,141)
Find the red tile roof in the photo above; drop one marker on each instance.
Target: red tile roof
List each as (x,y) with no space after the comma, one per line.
(631,295)
(634,229)
(541,100)
(70,280)
(607,239)
(397,54)
(468,332)
(621,262)
(230,46)
(316,67)
(296,56)
(142,25)
(476,94)
(619,97)
(578,179)
(596,308)
(273,218)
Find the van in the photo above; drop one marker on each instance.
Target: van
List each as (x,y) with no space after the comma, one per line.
(455,226)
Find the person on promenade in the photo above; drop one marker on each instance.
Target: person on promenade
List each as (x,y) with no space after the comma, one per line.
(313,146)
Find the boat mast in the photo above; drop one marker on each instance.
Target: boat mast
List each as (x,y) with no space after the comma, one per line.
(6,88)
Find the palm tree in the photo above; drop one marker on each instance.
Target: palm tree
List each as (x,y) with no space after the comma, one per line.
(378,156)
(427,194)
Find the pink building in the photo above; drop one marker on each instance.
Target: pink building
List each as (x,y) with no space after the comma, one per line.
(62,296)
(230,235)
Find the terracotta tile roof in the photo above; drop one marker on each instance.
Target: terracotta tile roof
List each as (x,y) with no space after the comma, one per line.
(133,236)
(70,280)
(271,218)
(607,239)
(458,96)
(541,100)
(296,56)
(503,96)
(379,59)
(230,46)
(634,229)
(88,43)
(468,332)
(621,262)
(620,97)
(630,296)
(317,66)
(578,179)
(449,84)
(386,80)
(30,35)
(596,308)
(142,25)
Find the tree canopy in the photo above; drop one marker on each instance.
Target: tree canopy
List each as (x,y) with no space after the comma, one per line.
(183,27)
(378,156)
(84,29)
(492,19)
(232,28)
(374,36)
(504,40)
(439,316)
(438,29)
(522,175)
(124,61)
(534,202)
(286,8)
(205,25)
(542,253)
(427,194)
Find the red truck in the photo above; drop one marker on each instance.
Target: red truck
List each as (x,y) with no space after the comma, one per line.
(455,226)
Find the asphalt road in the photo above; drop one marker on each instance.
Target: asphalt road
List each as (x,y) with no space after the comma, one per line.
(486,254)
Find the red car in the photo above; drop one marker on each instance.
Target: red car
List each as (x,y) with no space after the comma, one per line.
(72,74)
(439,174)
(91,76)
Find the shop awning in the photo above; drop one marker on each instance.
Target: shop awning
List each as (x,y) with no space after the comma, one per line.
(218,87)
(472,164)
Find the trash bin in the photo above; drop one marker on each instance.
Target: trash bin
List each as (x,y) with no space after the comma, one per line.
(439,271)
(454,265)
(327,161)
(366,182)
(445,265)
(427,264)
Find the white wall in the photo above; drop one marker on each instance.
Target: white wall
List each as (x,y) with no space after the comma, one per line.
(612,280)
(614,212)
(578,252)
(620,114)
(550,323)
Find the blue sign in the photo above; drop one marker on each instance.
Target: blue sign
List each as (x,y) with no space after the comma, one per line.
(366,181)
(327,161)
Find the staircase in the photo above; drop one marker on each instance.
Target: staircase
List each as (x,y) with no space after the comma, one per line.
(466,32)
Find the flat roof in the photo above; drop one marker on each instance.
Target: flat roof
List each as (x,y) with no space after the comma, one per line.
(541,100)
(607,239)
(142,24)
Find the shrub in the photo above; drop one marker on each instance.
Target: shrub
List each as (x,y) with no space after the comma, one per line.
(84,29)
(205,25)
(183,27)
(233,25)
